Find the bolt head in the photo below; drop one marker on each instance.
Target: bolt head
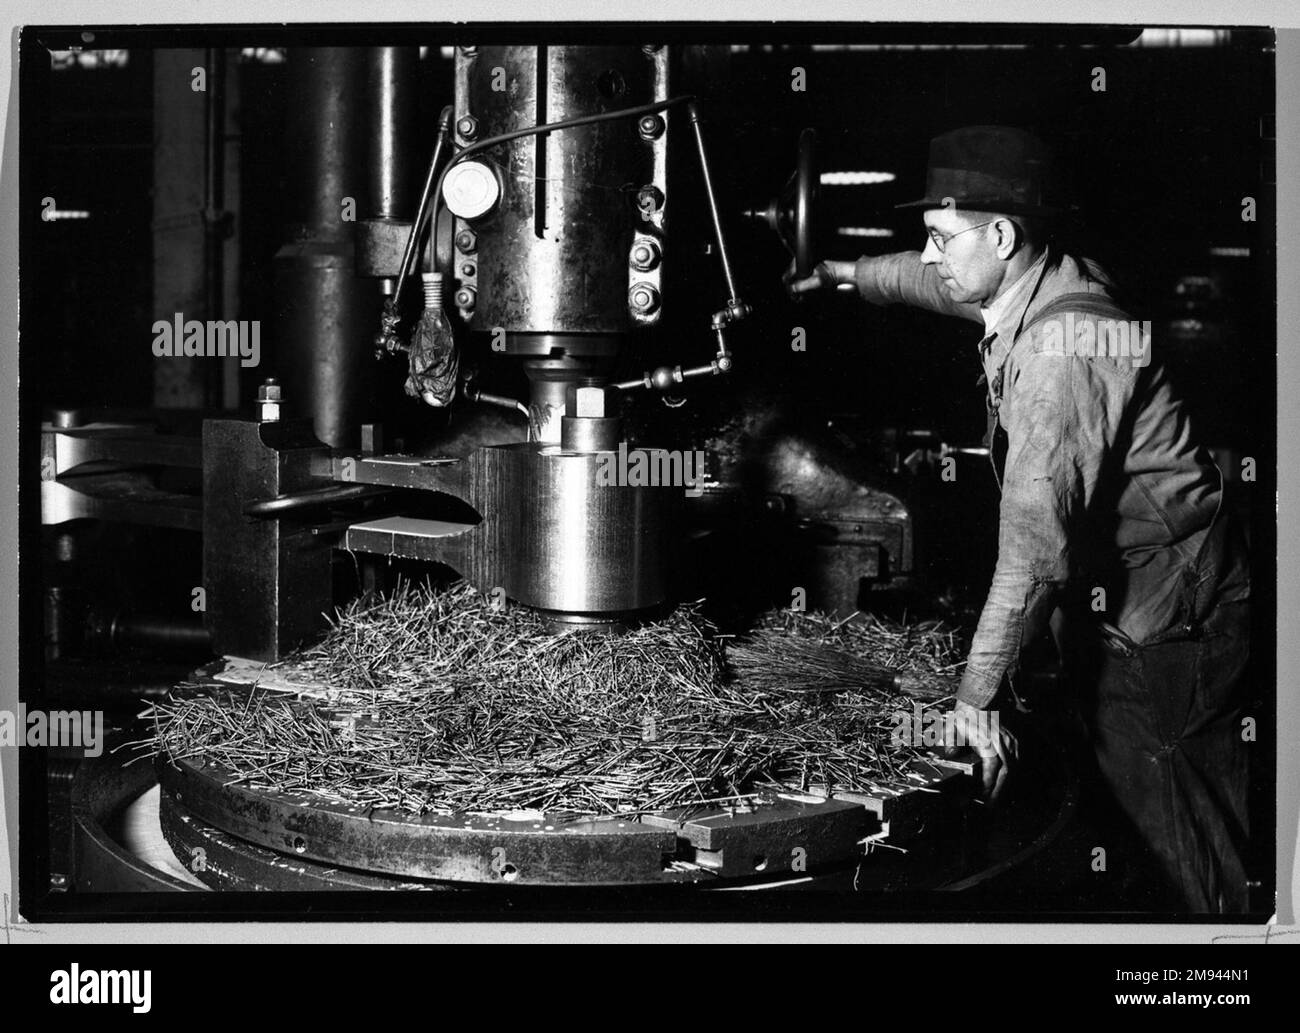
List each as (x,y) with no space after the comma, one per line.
(644,256)
(589,401)
(467,126)
(270,391)
(465,297)
(643,298)
(651,127)
(467,241)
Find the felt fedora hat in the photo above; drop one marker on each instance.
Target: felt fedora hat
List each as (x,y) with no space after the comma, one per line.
(990,168)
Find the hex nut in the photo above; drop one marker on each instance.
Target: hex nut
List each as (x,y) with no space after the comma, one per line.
(643,298)
(645,255)
(589,401)
(651,127)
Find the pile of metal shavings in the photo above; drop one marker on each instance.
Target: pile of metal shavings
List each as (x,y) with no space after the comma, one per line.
(931,651)
(440,703)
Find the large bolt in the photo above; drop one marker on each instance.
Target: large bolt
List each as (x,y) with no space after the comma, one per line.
(651,127)
(465,297)
(643,298)
(644,256)
(589,402)
(467,126)
(269,397)
(467,241)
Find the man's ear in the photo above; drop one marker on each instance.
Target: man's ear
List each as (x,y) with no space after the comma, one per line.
(1010,237)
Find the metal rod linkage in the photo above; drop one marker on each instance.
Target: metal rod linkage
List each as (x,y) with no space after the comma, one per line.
(732,295)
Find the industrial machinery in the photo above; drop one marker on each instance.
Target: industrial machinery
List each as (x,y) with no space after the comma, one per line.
(554,231)
(548,218)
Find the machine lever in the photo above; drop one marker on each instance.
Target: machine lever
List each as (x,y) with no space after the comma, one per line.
(736,309)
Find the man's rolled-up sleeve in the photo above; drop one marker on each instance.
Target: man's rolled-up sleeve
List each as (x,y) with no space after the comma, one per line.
(903,278)
(1061,421)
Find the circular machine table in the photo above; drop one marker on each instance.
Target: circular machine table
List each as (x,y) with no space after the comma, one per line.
(234,838)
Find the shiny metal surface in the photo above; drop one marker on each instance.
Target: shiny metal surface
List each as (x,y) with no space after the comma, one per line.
(324,313)
(389,73)
(591,433)
(471,190)
(552,383)
(554,534)
(545,254)
(106,471)
(571,543)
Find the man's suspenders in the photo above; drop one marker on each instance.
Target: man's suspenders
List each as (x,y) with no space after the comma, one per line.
(1080,301)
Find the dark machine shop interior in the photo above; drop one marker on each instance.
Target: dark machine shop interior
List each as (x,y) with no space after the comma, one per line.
(619,280)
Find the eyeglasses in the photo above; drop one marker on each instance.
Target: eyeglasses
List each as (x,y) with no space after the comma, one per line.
(941,241)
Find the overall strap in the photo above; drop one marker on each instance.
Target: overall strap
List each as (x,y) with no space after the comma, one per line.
(1078,301)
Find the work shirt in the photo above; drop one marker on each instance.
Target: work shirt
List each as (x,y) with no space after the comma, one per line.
(996,312)
(1109,506)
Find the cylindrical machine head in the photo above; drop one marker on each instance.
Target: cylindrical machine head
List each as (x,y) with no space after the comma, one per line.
(555,229)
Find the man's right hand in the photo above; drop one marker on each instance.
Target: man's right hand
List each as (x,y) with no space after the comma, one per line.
(825,275)
(997,748)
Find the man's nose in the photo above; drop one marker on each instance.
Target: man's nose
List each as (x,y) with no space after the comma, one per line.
(931,255)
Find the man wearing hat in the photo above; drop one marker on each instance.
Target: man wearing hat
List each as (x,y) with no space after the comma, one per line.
(1111,512)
